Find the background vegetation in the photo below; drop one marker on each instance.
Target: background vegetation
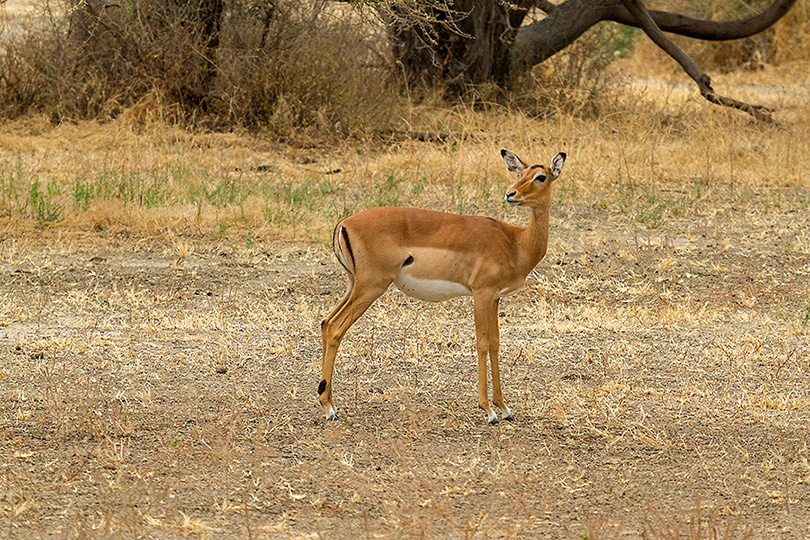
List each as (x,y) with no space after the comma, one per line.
(319,73)
(322,68)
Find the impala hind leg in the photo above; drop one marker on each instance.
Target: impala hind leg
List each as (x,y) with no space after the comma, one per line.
(494,346)
(357,300)
(334,312)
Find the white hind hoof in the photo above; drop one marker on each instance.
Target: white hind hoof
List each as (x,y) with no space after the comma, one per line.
(506,414)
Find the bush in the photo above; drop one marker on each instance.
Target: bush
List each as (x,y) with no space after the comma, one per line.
(576,81)
(323,68)
(288,66)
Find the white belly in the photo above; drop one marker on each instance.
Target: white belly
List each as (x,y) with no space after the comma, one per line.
(509,291)
(431,290)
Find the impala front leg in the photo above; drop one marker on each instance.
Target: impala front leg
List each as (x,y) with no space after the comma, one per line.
(494,346)
(483,306)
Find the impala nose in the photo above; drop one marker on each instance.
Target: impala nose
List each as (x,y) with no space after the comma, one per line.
(510,197)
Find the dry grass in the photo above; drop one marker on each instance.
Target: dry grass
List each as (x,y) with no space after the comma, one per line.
(159,344)
(155,178)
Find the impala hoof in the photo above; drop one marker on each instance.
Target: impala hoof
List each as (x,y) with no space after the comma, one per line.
(331,414)
(494,422)
(505,413)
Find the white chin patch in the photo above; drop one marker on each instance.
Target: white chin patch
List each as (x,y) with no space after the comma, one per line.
(430,290)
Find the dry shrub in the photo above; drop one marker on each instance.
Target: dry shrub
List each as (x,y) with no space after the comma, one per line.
(694,523)
(748,53)
(323,69)
(87,59)
(289,65)
(23,85)
(785,41)
(577,80)
(791,37)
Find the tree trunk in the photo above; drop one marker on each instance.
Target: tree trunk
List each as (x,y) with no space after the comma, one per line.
(470,46)
(562,26)
(210,13)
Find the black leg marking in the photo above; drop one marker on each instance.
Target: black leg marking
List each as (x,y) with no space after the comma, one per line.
(321,387)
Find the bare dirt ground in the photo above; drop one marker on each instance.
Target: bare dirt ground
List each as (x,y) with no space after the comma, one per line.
(151,389)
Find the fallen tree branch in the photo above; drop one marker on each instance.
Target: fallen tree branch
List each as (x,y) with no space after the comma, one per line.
(709,30)
(646,23)
(545,6)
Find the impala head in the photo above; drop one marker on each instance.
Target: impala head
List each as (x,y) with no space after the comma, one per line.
(535,181)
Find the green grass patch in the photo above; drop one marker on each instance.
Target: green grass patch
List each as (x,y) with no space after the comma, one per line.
(42,201)
(644,205)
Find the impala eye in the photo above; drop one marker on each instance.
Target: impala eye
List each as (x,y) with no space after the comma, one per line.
(540,178)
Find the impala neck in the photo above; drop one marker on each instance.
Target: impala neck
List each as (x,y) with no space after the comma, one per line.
(534,239)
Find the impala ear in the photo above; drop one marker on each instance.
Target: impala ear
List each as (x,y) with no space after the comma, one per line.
(513,163)
(557,163)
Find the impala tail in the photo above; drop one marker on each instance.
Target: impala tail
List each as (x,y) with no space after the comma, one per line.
(343,248)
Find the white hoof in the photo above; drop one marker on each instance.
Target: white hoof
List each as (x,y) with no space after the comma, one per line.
(331,414)
(492,418)
(506,414)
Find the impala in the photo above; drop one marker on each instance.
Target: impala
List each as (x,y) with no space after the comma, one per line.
(434,256)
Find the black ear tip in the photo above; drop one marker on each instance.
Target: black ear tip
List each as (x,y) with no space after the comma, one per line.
(503,152)
(563,155)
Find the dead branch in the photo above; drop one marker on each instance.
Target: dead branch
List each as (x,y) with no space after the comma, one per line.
(646,23)
(707,30)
